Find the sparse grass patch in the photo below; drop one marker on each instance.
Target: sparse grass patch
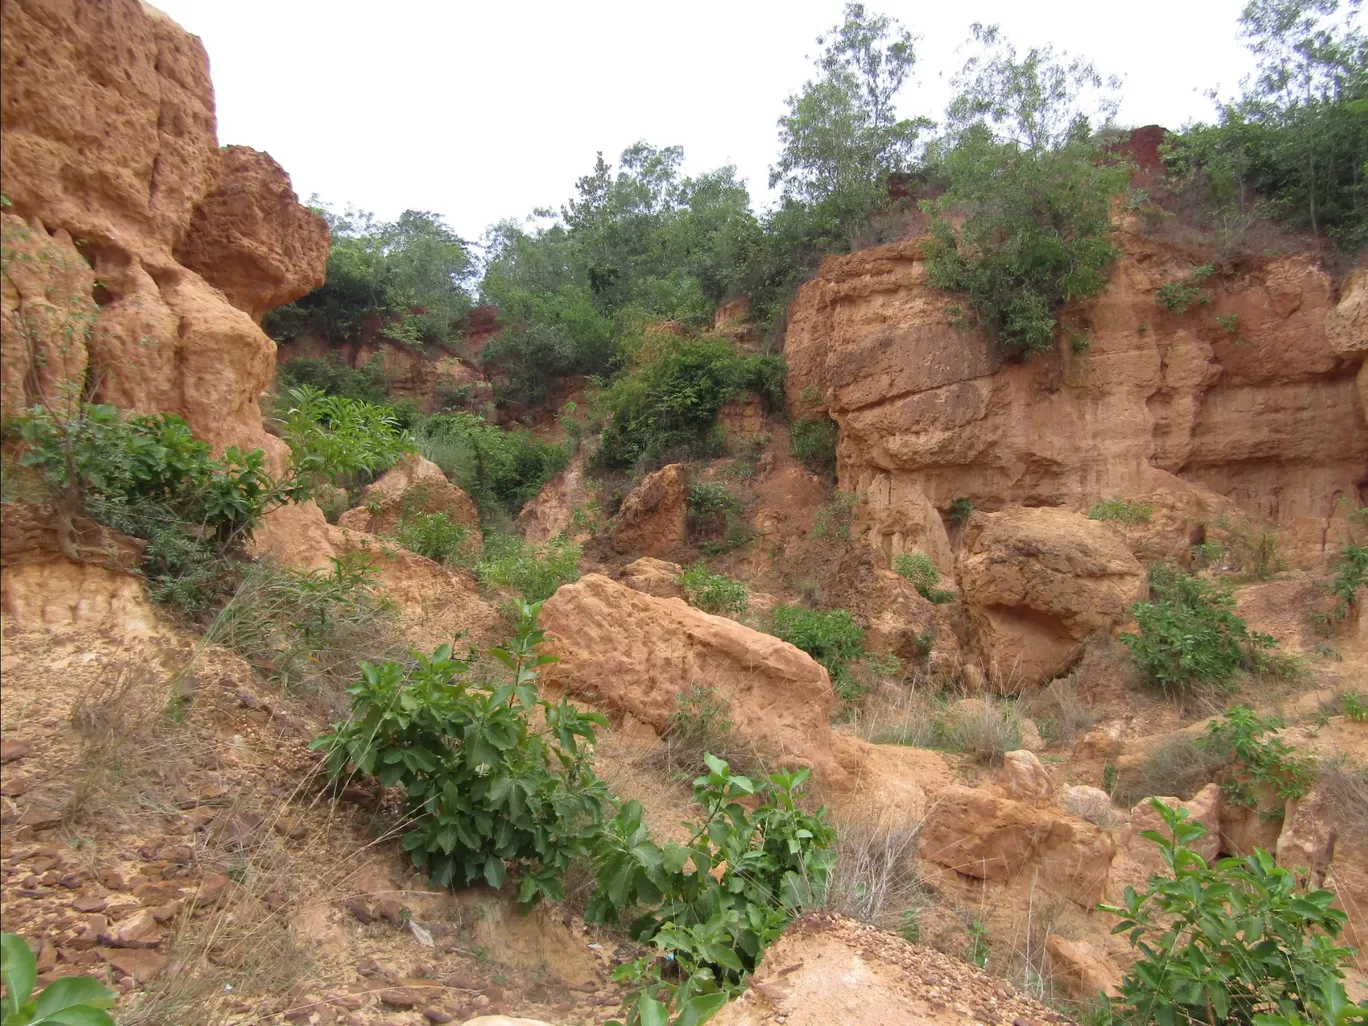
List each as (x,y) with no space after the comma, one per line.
(1345,787)
(1060,710)
(1127,511)
(982,729)
(701,723)
(535,571)
(834,518)
(1176,766)
(877,878)
(714,593)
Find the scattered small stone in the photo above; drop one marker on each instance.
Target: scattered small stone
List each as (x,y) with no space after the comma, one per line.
(360,910)
(141,965)
(37,818)
(14,786)
(138,931)
(112,879)
(11,748)
(437,1015)
(389,909)
(90,903)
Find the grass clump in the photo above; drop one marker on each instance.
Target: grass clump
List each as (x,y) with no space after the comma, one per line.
(1128,511)
(714,593)
(834,518)
(1190,637)
(918,568)
(831,636)
(436,536)
(702,724)
(534,571)
(981,729)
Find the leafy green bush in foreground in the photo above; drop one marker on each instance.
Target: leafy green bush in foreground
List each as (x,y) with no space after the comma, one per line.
(69,1001)
(1237,943)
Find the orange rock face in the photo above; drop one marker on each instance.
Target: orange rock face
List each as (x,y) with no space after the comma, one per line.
(144,254)
(653,517)
(1266,412)
(414,485)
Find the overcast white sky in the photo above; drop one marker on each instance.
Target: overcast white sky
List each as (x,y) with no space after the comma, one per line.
(485,109)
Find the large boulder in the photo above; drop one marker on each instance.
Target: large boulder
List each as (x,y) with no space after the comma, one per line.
(552,510)
(654,517)
(1037,581)
(981,835)
(413,485)
(630,652)
(251,239)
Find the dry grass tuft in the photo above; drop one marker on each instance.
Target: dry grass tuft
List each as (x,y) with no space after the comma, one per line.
(878,879)
(1345,787)
(1062,710)
(1176,766)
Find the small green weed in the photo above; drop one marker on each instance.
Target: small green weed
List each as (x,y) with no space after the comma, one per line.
(1178,296)
(834,518)
(918,568)
(714,593)
(1128,511)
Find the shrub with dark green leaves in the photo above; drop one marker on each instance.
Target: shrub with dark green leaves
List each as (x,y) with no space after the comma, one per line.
(831,636)
(714,593)
(367,383)
(496,778)
(1177,296)
(68,1001)
(1190,636)
(1239,943)
(1254,760)
(713,904)
(665,406)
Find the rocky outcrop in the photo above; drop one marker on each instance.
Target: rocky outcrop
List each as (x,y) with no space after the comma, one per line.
(1083,971)
(633,653)
(251,239)
(981,835)
(109,156)
(653,576)
(1037,581)
(1023,778)
(1268,415)
(654,516)
(827,970)
(552,510)
(412,486)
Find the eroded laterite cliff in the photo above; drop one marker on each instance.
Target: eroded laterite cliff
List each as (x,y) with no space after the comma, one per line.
(1267,410)
(139,256)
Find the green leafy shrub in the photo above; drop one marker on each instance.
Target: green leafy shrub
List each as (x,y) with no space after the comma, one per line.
(713,904)
(831,636)
(709,505)
(490,790)
(1024,225)
(500,470)
(814,442)
(1238,942)
(1177,296)
(1350,570)
(1190,636)
(665,406)
(434,535)
(1254,760)
(1128,511)
(960,509)
(714,593)
(918,568)
(69,1001)
(535,571)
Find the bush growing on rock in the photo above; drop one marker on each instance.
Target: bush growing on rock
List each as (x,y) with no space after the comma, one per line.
(918,568)
(1238,942)
(1190,637)
(149,477)
(1128,511)
(714,593)
(1025,223)
(666,404)
(831,636)
(434,535)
